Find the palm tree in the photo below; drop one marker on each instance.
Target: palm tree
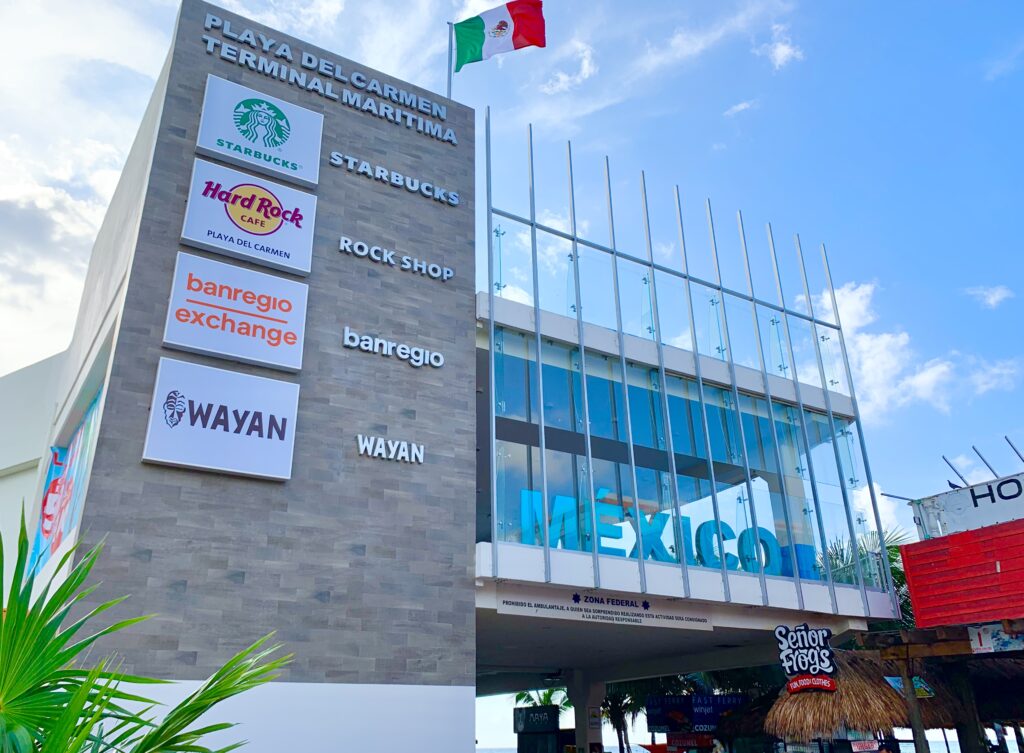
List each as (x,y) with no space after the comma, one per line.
(547,697)
(50,704)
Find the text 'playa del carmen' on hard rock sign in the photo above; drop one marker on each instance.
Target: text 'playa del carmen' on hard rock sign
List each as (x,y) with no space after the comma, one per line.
(326,78)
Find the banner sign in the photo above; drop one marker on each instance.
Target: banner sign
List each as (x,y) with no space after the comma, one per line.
(985,504)
(620,609)
(235,313)
(249,218)
(698,713)
(66,482)
(990,639)
(921,688)
(251,129)
(219,420)
(806,657)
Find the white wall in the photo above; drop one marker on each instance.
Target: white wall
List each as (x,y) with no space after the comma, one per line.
(26,406)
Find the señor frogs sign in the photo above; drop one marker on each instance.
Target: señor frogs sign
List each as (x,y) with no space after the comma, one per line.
(806,657)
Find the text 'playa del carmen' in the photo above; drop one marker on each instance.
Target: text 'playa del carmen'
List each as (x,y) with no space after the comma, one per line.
(275,59)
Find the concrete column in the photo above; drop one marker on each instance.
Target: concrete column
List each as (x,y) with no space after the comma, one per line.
(584,693)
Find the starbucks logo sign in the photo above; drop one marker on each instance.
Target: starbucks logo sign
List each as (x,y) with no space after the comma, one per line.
(261,122)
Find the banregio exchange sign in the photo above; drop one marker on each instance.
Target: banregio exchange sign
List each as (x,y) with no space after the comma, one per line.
(250,218)
(218,420)
(251,129)
(226,311)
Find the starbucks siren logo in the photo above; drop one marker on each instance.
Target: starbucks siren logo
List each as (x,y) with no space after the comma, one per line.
(261,122)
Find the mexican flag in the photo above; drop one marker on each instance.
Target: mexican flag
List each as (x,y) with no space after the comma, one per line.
(508,27)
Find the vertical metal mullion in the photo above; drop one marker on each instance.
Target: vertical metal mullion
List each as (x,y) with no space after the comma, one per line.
(583,369)
(703,404)
(890,585)
(540,368)
(739,413)
(794,562)
(803,425)
(858,569)
(666,418)
(625,385)
(493,441)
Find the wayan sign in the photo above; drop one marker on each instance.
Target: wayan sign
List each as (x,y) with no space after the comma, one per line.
(806,657)
(235,313)
(249,218)
(250,129)
(382,448)
(219,420)
(387,257)
(326,78)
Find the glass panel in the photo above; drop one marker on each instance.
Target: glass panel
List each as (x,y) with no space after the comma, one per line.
(605,396)
(520,518)
(596,287)
(773,538)
(700,262)
(628,206)
(562,397)
(804,521)
(869,543)
(832,360)
(789,271)
(673,312)
(730,253)
(616,519)
(591,197)
(635,299)
(568,510)
(655,498)
(685,417)
(661,208)
(515,375)
(840,553)
(774,343)
(510,178)
(513,261)
(804,353)
(707,319)
(551,183)
(733,498)
(697,519)
(742,337)
(555,274)
(645,406)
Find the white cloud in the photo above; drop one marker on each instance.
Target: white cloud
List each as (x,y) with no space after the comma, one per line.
(781,50)
(998,375)
(1007,64)
(561,81)
(688,43)
(989,297)
(887,373)
(739,107)
(972,468)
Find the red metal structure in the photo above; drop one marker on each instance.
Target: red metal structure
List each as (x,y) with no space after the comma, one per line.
(965,578)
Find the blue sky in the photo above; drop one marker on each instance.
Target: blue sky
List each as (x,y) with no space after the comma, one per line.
(890,131)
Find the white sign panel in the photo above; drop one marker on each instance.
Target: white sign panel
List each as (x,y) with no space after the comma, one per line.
(220,420)
(595,606)
(251,218)
(990,639)
(985,504)
(248,128)
(224,310)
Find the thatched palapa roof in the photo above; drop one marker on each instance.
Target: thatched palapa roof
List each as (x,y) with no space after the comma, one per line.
(864,701)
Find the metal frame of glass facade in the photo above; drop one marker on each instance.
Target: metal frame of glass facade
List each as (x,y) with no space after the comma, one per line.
(724,409)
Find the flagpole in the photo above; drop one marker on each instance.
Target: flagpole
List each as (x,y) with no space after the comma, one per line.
(451,36)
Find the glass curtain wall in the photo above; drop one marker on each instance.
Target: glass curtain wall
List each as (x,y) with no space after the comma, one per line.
(638,510)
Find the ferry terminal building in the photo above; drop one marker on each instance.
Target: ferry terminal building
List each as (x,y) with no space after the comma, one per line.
(293,401)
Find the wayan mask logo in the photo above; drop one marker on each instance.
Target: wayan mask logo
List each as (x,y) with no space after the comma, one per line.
(174,408)
(261,122)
